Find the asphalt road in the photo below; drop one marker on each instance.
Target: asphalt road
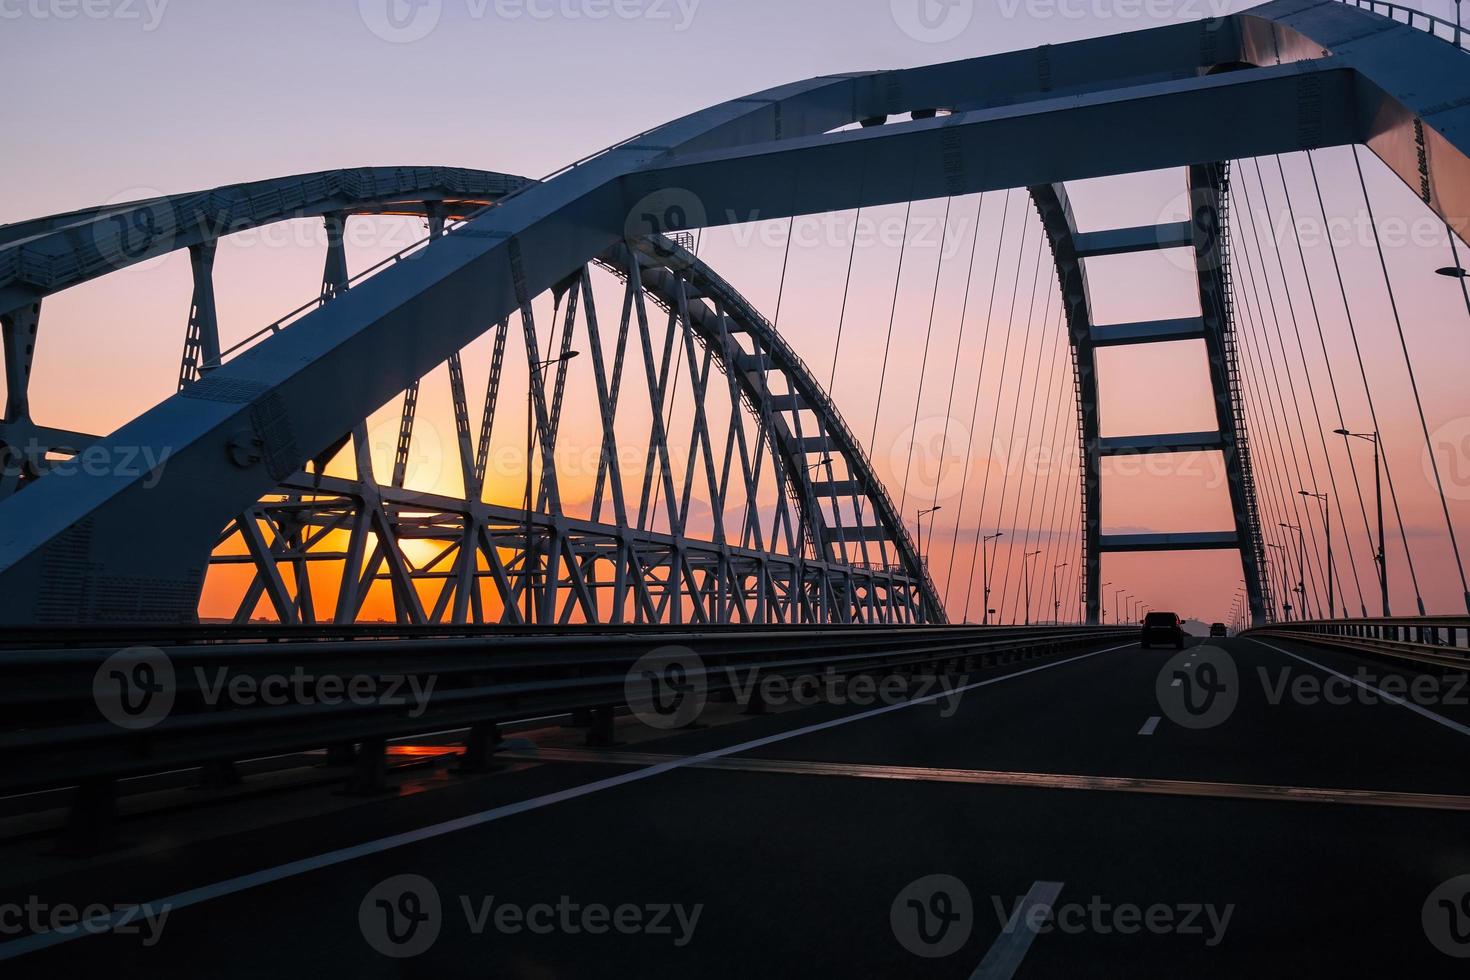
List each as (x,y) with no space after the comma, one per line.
(1084,816)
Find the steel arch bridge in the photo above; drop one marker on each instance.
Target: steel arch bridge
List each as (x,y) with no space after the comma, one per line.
(243,438)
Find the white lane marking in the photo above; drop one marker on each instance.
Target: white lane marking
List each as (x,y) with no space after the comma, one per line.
(1150,725)
(1010,947)
(233,886)
(1453,726)
(1176,683)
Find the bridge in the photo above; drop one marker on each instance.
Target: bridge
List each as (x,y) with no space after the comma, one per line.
(539,563)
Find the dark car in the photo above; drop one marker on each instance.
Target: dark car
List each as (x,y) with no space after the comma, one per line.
(1218,629)
(1162,627)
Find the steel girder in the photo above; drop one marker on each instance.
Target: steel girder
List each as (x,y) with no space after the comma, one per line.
(1290,75)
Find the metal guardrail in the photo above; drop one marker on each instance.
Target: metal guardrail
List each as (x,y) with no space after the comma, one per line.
(55,731)
(1439,641)
(1445,30)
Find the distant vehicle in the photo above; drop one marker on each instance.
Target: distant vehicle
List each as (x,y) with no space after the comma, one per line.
(1218,629)
(1162,627)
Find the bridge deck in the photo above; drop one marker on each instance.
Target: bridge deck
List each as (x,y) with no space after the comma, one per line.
(795,834)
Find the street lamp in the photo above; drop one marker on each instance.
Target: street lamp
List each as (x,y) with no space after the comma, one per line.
(1026,572)
(985,572)
(538,367)
(1381,558)
(1103,606)
(1327,524)
(1301,567)
(1056,600)
(920,528)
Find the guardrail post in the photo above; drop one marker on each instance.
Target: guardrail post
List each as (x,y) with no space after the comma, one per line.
(90,824)
(370,772)
(600,731)
(479,750)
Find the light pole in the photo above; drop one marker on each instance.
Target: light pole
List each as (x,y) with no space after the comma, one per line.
(1026,571)
(1301,567)
(985,573)
(529,568)
(1327,525)
(919,526)
(1103,606)
(1381,558)
(1056,600)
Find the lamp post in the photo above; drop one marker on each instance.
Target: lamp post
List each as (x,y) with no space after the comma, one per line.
(1301,568)
(1103,606)
(1381,558)
(1327,525)
(1026,572)
(1056,600)
(985,572)
(526,561)
(919,526)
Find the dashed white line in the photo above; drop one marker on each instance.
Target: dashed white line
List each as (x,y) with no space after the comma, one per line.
(1010,947)
(1150,725)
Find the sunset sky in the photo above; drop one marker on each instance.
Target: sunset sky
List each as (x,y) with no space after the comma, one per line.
(211,92)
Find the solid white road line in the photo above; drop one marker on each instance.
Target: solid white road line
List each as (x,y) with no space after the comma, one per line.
(233,886)
(1150,725)
(1010,947)
(1453,726)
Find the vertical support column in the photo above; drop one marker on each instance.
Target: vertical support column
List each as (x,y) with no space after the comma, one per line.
(201,337)
(1207,188)
(19,326)
(19,329)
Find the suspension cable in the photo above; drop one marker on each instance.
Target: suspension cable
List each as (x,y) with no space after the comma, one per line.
(1016,410)
(999,392)
(1312,571)
(1332,574)
(1368,395)
(975,406)
(1413,384)
(1336,400)
(955,370)
(892,314)
(924,360)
